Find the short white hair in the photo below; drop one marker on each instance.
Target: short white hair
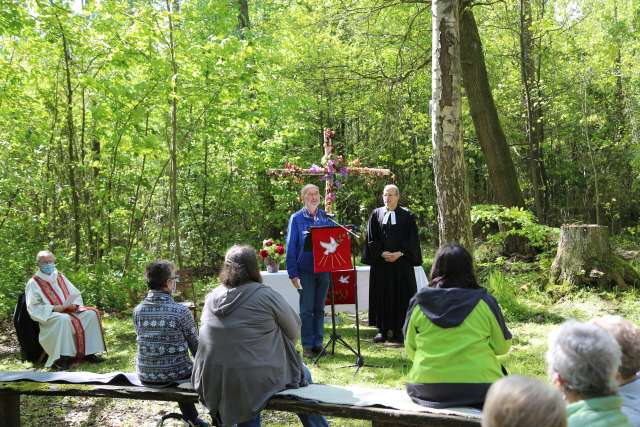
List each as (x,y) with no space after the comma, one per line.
(306,189)
(43,254)
(586,357)
(391,186)
(517,401)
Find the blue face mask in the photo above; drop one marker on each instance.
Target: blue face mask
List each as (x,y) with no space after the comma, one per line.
(48,267)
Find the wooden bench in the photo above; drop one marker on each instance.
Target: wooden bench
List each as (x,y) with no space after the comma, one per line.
(10,393)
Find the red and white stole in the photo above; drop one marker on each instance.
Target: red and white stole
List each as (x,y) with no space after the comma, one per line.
(54,299)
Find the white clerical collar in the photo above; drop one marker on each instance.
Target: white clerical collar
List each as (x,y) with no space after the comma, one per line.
(388,214)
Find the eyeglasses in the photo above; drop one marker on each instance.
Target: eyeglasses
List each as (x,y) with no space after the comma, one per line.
(176,278)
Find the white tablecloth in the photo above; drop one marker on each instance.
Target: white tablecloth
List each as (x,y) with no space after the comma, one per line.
(281,283)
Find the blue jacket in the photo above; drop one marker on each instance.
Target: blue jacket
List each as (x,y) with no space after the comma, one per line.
(297,260)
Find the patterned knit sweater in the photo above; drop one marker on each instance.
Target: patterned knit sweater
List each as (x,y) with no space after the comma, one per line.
(165,333)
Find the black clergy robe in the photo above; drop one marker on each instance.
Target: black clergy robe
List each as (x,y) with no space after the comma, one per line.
(391,284)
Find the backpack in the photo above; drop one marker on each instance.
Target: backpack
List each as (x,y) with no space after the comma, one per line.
(27,331)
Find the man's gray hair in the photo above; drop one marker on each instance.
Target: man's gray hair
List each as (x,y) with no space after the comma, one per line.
(306,188)
(43,254)
(586,357)
(628,337)
(395,187)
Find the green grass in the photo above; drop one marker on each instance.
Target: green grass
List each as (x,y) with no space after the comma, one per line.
(530,309)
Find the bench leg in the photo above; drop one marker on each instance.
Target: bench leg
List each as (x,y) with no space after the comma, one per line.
(10,410)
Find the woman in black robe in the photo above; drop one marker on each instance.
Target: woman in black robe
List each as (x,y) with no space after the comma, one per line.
(392,250)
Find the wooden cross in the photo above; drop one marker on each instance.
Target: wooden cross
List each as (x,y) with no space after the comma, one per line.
(330,171)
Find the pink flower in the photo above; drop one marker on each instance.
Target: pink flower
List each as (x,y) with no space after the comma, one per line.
(280,249)
(264,253)
(268,242)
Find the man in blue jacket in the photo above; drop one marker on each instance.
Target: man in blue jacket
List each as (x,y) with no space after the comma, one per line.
(311,286)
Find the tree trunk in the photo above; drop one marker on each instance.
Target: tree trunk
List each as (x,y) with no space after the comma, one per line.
(587,138)
(532,105)
(243,16)
(502,172)
(454,224)
(619,113)
(175,208)
(205,196)
(131,232)
(75,202)
(584,257)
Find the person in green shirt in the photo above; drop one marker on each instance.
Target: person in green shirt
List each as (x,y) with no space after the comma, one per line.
(583,360)
(454,331)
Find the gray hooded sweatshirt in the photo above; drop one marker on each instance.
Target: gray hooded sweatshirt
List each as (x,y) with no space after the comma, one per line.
(246,351)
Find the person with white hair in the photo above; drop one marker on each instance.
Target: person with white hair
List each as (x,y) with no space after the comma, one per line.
(392,249)
(517,401)
(583,360)
(68,328)
(628,337)
(312,287)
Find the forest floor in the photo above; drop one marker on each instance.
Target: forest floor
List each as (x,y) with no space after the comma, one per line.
(531,310)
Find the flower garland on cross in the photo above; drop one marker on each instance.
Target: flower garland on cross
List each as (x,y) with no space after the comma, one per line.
(332,171)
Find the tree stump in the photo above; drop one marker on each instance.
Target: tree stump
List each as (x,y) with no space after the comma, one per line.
(585,257)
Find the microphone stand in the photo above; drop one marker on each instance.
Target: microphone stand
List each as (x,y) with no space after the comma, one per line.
(334,337)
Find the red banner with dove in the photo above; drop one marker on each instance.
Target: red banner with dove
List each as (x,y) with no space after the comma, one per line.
(344,287)
(331,248)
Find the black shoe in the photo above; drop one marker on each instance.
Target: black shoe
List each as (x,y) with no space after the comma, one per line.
(398,338)
(379,338)
(308,352)
(93,358)
(63,363)
(316,350)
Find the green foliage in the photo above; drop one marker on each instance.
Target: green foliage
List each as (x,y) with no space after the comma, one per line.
(85,136)
(512,288)
(514,222)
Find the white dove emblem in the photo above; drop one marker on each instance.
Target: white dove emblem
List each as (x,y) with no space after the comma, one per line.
(330,247)
(344,280)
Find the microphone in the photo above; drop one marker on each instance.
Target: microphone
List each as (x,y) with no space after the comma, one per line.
(330,215)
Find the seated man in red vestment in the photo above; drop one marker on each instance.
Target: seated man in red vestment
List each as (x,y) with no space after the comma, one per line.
(68,329)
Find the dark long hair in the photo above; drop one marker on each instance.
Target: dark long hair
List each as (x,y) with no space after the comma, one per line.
(240,267)
(453,268)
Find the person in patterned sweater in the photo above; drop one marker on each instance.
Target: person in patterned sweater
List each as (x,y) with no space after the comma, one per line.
(166,332)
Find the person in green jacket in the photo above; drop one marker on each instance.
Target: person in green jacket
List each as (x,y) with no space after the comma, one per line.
(583,360)
(454,330)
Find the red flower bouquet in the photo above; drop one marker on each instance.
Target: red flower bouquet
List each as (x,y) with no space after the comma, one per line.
(272,253)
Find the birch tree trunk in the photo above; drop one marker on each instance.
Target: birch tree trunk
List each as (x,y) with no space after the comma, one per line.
(454,224)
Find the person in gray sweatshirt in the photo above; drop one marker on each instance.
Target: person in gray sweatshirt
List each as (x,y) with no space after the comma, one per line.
(247,346)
